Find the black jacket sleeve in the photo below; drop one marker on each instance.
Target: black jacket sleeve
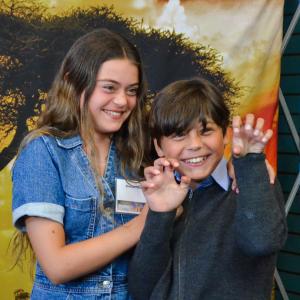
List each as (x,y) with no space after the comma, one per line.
(152,254)
(260,220)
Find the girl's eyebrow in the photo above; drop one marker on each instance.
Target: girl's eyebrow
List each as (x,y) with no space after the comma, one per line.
(116,82)
(110,80)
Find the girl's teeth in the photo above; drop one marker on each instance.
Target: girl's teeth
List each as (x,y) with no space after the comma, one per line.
(113,113)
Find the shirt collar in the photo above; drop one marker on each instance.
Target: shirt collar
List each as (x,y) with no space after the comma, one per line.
(220,174)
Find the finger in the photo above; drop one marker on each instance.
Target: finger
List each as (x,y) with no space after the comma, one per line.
(236,149)
(185,182)
(236,124)
(169,172)
(249,121)
(271,172)
(173,162)
(150,172)
(147,185)
(179,211)
(161,163)
(267,136)
(233,185)
(230,168)
(259,126)
(231,174)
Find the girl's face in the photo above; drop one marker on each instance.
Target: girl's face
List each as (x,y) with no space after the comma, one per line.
(114,96)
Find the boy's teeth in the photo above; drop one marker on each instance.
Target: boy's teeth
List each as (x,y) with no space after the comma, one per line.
(196,160)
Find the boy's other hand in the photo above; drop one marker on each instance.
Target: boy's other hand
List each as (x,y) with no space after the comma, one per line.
(160,188)
(248,136)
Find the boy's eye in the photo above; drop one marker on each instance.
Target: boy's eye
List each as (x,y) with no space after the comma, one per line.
(206,131)
(178,137)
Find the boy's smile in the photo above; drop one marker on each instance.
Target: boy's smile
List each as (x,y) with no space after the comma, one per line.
(195,160)
(198,151)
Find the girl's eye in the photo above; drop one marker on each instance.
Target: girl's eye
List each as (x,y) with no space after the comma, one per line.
(108,88)
(132,91)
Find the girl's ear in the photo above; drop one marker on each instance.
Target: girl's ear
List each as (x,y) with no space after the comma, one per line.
(159,151)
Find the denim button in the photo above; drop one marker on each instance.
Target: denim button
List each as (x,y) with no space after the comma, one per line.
(106,284)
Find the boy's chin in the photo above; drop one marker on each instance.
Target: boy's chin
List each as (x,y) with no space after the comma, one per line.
(197,178)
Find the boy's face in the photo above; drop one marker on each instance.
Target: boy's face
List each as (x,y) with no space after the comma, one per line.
(198,151)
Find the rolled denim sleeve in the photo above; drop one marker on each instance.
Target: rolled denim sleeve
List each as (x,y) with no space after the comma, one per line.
(37,188)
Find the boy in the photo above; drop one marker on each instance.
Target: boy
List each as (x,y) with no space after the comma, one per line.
(224,245)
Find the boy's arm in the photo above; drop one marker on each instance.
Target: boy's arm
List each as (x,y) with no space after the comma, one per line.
(260,218)
(152,255)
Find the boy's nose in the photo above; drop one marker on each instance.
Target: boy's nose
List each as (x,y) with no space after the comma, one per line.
(195,142)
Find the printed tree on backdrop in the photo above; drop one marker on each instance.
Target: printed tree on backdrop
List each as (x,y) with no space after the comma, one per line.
(33,43)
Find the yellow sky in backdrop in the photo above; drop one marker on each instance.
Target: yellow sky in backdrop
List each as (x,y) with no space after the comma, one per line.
(226,25)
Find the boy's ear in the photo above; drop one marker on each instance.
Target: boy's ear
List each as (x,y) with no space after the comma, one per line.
(159,151)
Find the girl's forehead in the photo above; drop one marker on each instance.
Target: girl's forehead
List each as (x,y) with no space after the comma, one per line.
(119,70)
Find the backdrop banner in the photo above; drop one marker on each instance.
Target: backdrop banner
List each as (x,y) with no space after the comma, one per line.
(234,43)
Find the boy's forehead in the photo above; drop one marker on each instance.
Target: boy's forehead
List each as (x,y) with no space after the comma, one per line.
(200,123)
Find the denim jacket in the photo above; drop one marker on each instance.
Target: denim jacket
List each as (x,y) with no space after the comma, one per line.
(52,178)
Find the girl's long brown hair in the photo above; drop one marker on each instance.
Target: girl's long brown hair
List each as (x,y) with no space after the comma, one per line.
(62,116)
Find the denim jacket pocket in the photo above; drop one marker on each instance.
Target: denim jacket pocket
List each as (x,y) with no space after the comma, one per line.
(81,204)
(80,217)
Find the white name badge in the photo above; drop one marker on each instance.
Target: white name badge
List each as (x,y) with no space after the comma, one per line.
(129,197)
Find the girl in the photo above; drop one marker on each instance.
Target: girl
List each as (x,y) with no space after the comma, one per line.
(64,176)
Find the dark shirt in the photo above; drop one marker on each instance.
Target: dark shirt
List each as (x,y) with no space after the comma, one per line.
(223,247)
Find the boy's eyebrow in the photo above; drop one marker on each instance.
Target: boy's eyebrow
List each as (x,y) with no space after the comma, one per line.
(208,122)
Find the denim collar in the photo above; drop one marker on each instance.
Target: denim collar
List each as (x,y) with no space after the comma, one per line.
(70,142)
(219,175)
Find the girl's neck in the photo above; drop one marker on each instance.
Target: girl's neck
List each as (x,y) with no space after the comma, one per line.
(102,145)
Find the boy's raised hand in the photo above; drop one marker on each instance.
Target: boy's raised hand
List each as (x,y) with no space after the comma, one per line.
(248,136)
(160,188)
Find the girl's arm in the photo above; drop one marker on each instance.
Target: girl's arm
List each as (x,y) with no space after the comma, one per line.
(62,263)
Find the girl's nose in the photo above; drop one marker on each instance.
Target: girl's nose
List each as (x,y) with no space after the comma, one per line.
(121,98)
